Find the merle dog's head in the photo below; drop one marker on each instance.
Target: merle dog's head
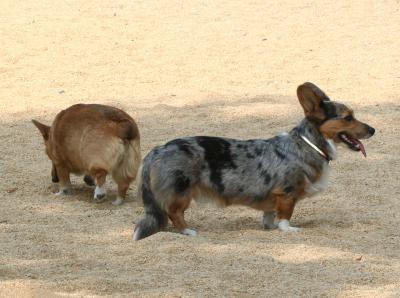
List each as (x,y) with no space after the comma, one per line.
(335,120)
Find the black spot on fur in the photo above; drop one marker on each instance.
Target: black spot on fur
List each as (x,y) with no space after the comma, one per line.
(181,181)
(259,166)
(240,189)
(279,154)
(239,146)
(249,155)
(217,153)
(289,189)
(329,109)
(267,178)
(182,145)
(258,151)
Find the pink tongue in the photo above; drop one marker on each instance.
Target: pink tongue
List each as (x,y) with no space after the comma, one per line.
(362,149)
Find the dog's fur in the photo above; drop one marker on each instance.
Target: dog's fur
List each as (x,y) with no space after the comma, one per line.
(269,175)
(94,140)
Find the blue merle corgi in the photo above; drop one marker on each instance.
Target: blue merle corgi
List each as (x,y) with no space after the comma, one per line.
(270,175)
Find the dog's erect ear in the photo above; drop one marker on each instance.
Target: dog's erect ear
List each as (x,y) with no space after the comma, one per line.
(44,129)
(311,99)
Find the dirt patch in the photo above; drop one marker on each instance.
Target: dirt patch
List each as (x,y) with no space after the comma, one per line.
(226,69)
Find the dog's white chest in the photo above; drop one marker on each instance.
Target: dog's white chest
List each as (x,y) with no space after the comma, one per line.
(321,184)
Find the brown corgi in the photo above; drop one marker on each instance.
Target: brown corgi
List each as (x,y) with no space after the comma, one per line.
(93,140)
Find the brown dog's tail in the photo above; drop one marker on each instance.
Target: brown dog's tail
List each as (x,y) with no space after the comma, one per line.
(155,218)
(127,130)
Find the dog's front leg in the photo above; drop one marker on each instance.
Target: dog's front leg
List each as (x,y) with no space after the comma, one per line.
(269,220)
(284,207)
(65,183)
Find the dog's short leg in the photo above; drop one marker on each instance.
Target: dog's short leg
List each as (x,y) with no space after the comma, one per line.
(65,183)
(122,189)
(268,220)
(100,191)
(176,214)
(285,206)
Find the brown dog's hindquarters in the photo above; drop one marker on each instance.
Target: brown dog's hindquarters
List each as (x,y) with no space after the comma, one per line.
(95,140)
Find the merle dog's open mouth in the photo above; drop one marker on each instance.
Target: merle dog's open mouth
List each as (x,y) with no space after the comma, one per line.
(353,143)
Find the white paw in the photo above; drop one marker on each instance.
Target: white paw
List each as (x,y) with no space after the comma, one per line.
(61,192)
(189,232)
(99,193)
(118,201)
(283,225)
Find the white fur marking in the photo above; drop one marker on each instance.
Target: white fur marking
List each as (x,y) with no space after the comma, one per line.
(285,226)
(189,232)
(61,192)
(321,184)
(332,147)
(99,192)
(136,235)
(118,201)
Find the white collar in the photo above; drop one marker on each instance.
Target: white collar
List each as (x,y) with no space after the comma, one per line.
(322,153)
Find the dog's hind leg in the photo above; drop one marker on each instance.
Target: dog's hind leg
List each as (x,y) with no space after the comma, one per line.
(65,183)
(122,189)
(176,215)
(284,207)
(100,176)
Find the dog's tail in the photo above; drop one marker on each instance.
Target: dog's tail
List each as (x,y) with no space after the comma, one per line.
(155,217)
(127,130)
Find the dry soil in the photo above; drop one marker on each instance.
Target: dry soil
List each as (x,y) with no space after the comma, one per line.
(180,68)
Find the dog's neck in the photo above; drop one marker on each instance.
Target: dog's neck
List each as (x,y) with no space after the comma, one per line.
(309,130)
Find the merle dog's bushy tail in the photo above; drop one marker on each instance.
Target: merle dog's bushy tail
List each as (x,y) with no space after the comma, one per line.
(155,218)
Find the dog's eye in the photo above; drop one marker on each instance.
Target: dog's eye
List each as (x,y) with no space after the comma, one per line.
(348,118)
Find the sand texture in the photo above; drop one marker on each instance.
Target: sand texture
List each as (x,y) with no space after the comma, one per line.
(181,68)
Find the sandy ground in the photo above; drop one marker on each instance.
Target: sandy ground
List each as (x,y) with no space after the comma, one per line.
(226,68)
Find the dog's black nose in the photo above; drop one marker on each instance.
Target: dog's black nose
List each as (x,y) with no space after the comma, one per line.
(371,130)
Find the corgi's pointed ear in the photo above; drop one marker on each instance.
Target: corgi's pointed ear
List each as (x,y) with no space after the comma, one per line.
(311,99)
(44,129)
